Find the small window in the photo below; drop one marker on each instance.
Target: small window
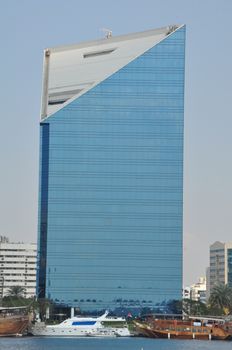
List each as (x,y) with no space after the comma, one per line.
(58,98)
(57,102)
(98,53)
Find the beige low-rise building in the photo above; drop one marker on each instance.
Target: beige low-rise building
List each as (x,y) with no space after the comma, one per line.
(220,269)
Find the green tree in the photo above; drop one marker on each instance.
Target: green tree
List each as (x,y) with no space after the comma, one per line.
(194,308)
(43,305)
(175,306)
(15,297)
(221,298)
(16,292)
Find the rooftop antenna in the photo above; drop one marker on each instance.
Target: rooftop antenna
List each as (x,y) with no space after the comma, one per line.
(171,29)
(108,32)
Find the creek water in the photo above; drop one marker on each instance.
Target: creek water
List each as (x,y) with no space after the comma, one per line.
(39,343)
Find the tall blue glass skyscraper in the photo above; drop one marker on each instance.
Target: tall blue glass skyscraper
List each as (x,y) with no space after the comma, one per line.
(111,171)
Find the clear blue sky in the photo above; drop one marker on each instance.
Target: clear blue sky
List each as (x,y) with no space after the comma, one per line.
(28,26)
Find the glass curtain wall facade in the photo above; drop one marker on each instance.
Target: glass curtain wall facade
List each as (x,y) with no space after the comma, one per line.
(111,188)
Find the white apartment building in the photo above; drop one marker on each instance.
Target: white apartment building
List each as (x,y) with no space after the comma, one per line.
(186,293)
(17,266)
(198,290)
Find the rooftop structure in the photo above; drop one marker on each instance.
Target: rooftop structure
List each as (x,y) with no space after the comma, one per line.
(87,64)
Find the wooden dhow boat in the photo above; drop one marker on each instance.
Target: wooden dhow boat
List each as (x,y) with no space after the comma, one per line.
(181,329)
(13,322)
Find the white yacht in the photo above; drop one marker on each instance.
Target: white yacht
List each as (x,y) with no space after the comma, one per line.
(83,326)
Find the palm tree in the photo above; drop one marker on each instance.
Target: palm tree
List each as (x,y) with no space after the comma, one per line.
(16,291)
(43,306)
(221,298)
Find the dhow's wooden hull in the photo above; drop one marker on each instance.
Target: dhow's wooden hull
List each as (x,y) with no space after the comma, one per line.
(189,335)
(180,330)
(13,325)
